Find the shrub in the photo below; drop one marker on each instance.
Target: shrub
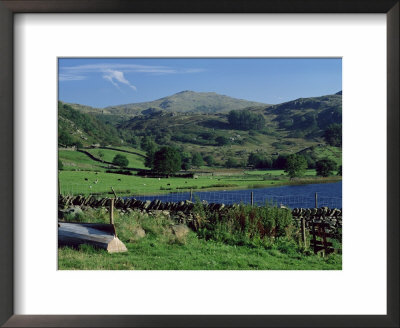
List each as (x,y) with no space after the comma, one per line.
(247,225)
(325,167)
(120,160)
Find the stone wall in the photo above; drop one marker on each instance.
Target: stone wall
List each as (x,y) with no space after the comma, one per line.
(182,211)
(330,216)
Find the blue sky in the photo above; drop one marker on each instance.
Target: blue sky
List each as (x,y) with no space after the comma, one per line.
(102,82)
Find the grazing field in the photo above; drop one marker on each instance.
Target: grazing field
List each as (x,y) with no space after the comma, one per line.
(75,160)
(132,150)
(84,182)
(83,175)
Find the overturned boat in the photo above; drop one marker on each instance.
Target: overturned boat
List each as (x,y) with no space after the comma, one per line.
(96,234)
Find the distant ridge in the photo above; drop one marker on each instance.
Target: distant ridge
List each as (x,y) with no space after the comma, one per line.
(183,102)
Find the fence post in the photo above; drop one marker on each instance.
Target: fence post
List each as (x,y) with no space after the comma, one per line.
(303,230)
(252,198)
(191,194)
(111,210)
(115,195)
(316,200)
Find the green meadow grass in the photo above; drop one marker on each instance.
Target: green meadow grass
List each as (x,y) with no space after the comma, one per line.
(80,173)
(134,150)
(74,182)
(197,254)
(73,160)
(135,161)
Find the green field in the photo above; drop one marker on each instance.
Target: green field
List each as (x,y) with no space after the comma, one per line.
(197,254)
(83,175)
(74,160)
(135,161)
(74,182)
(130,149)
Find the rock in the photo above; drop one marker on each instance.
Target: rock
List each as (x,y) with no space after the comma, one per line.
(72,213)
(137,233)
(146,204)
(180,231)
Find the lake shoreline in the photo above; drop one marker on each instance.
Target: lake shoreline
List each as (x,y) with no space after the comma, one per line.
(239,188)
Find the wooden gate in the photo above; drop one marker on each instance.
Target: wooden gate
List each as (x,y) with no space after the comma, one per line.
(319,239)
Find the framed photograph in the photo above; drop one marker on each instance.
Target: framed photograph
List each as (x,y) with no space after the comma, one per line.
(182,164)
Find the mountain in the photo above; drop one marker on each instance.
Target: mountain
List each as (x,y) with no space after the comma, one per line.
(308,116)
(183,102)
(86,109)
(287,128)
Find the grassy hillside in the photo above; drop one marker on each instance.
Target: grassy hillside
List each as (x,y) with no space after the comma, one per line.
(74,160)
(323,151)
(289,128)
(135,161)
(182,121)
(75,126)
(185,101)
(308,117)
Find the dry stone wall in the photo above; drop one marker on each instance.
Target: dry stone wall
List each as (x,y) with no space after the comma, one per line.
(182,211)
(330,216)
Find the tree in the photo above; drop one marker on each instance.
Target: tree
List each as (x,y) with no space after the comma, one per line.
(148,144)
(222,141)
(209,160)
(245,120)
(197,160)
(333,135)
(186,160)
(186,166)
(339,170)
(60,165)
(120,160)
(65,139)
(280,162)
(231,162)
(78,144)
(296,165)
(167,161)
(259,161)
(324,167)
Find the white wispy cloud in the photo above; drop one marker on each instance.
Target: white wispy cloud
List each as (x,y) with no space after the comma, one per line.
(117,76)
(70,77)
(115,73)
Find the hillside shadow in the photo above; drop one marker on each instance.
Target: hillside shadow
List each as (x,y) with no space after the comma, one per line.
(215,124)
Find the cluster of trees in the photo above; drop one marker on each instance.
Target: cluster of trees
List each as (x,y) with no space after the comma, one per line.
(294,165)
(262,161)
(333,135)
(245,120)
(168,160)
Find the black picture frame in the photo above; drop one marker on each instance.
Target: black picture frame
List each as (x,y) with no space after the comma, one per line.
(10,7)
